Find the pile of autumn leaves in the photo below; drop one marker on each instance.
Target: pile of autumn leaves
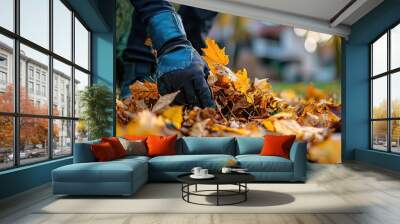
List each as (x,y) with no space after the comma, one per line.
(244,108)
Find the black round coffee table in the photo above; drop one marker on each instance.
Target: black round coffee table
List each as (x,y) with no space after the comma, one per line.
(238,179)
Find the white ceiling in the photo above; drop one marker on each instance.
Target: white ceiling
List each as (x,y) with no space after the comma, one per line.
(327,16)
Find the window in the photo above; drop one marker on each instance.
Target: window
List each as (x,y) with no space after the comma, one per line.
(62,30)
(44,91)
(62,74)
(30,87)
(385,94)
(30,72)
(34,21)
(7,14)
(38,89)
(38,74)
(81,45)
(3,61)
(48,78)
(6,72)
(62,137)
(3,78)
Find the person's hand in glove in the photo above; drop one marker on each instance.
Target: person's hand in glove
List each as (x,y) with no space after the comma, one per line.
(179,66)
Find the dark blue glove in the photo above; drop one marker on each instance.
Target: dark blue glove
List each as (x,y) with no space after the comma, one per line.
(179,66)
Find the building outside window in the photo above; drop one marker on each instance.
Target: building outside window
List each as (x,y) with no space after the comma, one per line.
(3,72)
(56,123)
(385,94)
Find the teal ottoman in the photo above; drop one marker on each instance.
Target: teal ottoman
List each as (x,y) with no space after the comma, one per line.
(118,177)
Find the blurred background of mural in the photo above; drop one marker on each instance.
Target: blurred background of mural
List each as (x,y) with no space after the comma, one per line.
(297,62)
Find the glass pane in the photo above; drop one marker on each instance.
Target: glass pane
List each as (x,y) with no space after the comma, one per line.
(62,138)
(81,45)
(81,81)
(81,131)
(379,97)
(395,136)
(7,14)
(379,55)
(6,142)
(34,72)
(33,139)
(379,135)
(62,89)
(62,29)
(6,74)
(395,47)
(395,94)
(35,21)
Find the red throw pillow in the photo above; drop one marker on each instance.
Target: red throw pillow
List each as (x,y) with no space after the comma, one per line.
(161,145)
(116,145)
(277,145)
(103,152)
(135,138)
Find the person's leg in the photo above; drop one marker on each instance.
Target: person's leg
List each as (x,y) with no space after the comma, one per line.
(197,23)
(138,60)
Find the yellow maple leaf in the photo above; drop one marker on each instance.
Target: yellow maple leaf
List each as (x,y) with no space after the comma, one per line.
(268,125)
(242,82)
(214,55)
(173,115)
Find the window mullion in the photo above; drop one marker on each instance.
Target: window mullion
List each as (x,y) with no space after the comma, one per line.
(16,85)
(389,106)
(73,82)
(50,81)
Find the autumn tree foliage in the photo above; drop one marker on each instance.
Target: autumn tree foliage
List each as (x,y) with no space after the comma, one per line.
(33,131)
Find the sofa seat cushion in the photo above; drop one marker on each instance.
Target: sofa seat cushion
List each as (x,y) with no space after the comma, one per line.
(257,163)
(185,163)
(113,171)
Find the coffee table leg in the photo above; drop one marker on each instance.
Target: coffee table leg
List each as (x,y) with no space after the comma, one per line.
(195,188)
(217,194)
(245,193)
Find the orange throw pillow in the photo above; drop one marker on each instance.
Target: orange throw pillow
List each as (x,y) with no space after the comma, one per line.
(116,145)
(103,152)
(277,145)
(161,145)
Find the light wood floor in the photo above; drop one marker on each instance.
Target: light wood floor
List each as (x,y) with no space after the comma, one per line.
(379,189)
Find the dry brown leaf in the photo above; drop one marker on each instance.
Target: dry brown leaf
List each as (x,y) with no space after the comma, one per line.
(164,101)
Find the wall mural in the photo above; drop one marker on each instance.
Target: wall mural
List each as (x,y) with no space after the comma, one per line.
(264,78)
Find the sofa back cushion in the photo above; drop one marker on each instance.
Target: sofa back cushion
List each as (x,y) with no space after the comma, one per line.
(116,146)
(278,145)
(161,145)
(104,151)
(83,152)
(206,145)
(249,145)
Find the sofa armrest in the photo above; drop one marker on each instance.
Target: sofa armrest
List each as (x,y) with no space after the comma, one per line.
(83,152)
(298,155)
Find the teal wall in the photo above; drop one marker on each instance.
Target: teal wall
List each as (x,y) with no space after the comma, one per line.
(355,85)
(99,16)
(24,178)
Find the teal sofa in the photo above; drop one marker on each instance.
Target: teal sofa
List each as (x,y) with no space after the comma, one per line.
(125,176)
